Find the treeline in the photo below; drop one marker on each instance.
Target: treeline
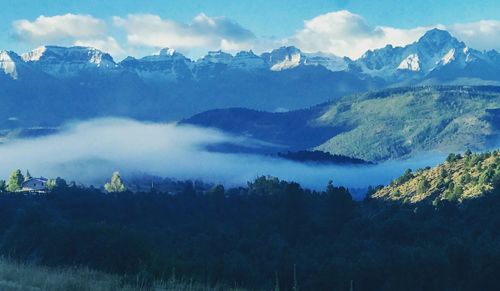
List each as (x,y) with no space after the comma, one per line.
(269,235)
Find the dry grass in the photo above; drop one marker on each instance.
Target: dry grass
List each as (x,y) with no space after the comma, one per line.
(454,172)
(25,277)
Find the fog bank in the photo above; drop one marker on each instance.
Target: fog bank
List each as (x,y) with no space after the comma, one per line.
(88,152)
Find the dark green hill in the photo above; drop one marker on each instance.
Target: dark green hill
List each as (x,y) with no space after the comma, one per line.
(388,124)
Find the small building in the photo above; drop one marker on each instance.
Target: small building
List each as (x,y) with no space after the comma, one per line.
(38,185)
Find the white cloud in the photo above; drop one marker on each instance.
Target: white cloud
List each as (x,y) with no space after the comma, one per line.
(108,44)
(203,32)
(482,35)
(69,29)
(347,34)
(341,33)
(59,28)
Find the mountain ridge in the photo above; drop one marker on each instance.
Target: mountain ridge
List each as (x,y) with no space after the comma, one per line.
(425,58)
(375,126)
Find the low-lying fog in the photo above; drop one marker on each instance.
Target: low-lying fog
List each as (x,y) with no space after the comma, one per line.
(88,152)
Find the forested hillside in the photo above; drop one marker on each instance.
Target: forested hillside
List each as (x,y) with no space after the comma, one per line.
(271,234)
(375,126)
(460,178)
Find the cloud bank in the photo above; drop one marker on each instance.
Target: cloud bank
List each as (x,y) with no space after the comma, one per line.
(202,32)
(67,29)
(342,33)
(347,34)
(90,151)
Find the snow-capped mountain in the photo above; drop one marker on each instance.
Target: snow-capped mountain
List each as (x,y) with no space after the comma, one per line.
(9,62)
(290,57)
(436,51)
(436,55)
(81,82)
(167,65)
(68,62)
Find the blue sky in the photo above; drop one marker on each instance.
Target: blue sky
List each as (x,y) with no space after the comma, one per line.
(271,22)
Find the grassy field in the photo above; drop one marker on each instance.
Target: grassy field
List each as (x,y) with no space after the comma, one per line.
(25,277)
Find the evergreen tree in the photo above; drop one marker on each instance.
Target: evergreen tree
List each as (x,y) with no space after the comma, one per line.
(55,184)
(3,186)
(15,181)
(116,185)
(423,186)
(27,176)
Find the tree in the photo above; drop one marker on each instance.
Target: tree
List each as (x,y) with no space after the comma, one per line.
(116,184)
(15,181)
(338,205)
(27,176)
(423,186)
(3,186)
(56,184)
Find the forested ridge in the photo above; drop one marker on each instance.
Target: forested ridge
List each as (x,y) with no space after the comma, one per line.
(269,235)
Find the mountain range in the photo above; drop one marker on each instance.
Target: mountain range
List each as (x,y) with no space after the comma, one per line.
(413,103)
(51,84)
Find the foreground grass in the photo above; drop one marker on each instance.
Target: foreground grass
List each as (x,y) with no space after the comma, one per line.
(16,276)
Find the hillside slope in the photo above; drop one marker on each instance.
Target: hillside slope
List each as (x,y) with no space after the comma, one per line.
(458,179)
(375,126)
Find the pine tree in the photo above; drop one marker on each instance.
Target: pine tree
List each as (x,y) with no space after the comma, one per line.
(3,186)
(15,181)
(116,185)
(27,176)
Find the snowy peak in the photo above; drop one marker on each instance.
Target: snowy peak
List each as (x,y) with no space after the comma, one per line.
(69,54)
(437,40)
(434,51)
(329,61)
(68,61)
(247,60)
(167,52)
(217,57)
(9,62)
(283,58)
(410,63)
(167,64)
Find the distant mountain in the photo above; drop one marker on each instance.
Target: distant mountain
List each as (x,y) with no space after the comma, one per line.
(52,84)
(436,57)
(388,124)
(460,178)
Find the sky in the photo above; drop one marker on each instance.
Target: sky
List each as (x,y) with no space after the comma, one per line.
(341,27)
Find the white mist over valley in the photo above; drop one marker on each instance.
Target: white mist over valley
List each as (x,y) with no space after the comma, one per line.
(89,151)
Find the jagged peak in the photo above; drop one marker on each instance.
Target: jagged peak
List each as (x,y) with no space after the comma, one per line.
(217,57)
(78,53)
(8,63)
(248,53)
(167,52)
(438,38)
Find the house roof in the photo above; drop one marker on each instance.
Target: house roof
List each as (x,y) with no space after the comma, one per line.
(41,179)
